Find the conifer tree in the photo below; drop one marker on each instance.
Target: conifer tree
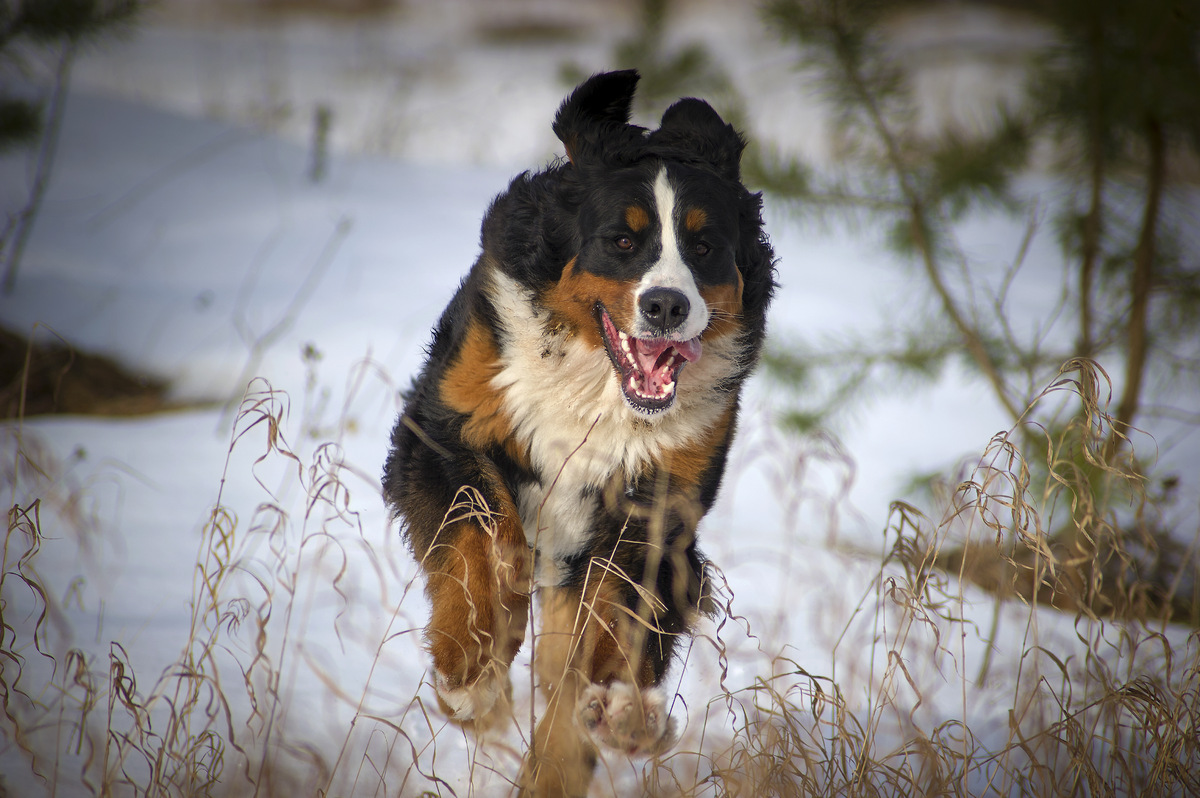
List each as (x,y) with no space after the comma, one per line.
(39,40)
(668,69)
(1115,98)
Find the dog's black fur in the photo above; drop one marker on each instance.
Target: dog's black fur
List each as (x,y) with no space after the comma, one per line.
(583,384)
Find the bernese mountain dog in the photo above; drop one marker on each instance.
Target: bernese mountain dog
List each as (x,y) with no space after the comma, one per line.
(571,425)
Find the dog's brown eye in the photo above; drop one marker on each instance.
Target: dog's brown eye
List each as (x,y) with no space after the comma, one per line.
(624,242)
(701,249)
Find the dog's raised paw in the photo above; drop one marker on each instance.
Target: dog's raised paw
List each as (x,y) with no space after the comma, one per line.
(621,716)
(479,703)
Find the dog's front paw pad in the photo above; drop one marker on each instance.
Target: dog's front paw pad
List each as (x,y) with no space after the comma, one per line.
(621,716)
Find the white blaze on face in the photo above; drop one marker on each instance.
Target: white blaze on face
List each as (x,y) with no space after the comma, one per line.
(671,271)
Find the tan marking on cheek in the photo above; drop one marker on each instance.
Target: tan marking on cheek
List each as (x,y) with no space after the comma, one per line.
(573,299)
(695,219)
(725,304)
(637,218)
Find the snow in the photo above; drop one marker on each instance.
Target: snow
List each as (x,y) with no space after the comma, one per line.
(200,250)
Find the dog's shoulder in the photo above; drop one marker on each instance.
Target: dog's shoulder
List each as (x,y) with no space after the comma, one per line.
(528,232)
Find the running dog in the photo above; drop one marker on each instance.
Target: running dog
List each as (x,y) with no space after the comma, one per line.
(571,424)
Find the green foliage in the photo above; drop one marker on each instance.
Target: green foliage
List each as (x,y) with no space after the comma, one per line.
(841,34)
(48,21)
(830,378)
(667,71)
(1117,66)
(51,22)
(1114,98)
(55,28)
(779,176)
(968,173)
(1116,86)
(20,122)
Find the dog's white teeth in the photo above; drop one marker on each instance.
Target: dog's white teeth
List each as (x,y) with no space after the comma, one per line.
(668,387)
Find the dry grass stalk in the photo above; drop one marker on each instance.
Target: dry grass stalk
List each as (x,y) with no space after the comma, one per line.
(1112,708)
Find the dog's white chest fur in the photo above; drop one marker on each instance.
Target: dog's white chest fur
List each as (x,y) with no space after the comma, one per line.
(564,403)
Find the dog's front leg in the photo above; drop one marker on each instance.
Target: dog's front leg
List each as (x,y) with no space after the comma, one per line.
(600,688)
(477,581)
(562,757)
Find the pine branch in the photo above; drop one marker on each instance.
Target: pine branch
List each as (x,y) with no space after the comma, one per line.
(23,223)
(1092,223)
(919,218)
(1137,340)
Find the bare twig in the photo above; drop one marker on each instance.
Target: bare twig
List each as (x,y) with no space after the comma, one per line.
(1137,341)
(919,217)
(23,224)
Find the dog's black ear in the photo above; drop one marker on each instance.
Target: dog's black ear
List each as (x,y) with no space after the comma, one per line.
(596,115)
(692,126)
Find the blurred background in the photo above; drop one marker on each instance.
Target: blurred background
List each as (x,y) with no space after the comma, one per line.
(1010,184)
(414,79)
(982,373)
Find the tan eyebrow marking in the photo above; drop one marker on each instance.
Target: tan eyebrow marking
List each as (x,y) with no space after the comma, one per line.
(695,219)
(637,218)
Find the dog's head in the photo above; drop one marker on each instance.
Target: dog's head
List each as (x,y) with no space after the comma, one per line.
(669,246)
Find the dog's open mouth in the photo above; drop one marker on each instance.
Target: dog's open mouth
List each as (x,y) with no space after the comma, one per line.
(648,367)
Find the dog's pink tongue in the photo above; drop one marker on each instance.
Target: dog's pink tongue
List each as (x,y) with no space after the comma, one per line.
(650,351)
(658,364)
(688,350)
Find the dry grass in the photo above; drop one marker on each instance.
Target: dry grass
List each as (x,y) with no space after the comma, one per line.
(920,695)
(1104,550)
(43,375)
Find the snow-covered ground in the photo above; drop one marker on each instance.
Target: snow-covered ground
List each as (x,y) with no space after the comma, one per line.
(199,249)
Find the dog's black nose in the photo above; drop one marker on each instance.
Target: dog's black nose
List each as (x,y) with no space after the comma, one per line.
(664,309)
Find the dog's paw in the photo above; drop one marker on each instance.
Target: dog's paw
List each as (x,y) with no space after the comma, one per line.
(630,720)
(480,702)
